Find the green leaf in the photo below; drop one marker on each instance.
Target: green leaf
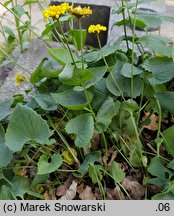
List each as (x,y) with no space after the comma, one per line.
(156,168)
(146,21)
(45,101)
(6,193)
(74,76)
(5,154)
(9,31)
(169,140)
(5,109)
(19,10)
(50,69)
(36,75)
(164,196)
(39,179)
(90,158)
(124,85)
(106,50)
(7,3)
(45,167)
(76,38)
(105,114)
(129,71)
(162,69)
(26,125)
(20,185)
(71,99)
(83,127)
(130,106)
(97,75)
(157,43)
(61,55)
(170,165)
(95,173)
(165,99)
(173,53)
(116,172)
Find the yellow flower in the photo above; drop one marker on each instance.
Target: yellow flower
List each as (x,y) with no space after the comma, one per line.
(56,11)
(68,158)
(96,28)
(20,78)
(80,12)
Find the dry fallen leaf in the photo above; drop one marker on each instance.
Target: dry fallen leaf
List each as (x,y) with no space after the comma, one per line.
(47,196)
(115,194)
(135,189)
(112,151)
(50,194)
(95,141)
(87,194)
(154,121)
(70,194)
(63,188)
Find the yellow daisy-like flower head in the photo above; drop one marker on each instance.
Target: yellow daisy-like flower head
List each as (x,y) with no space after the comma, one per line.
(80,12)
(20,78)
(55,11)
(96,28)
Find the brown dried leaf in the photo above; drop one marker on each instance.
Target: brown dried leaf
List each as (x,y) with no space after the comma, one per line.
(135,189)
(113,155)
(81,188)
(63,188)
(50,194)
(115,194)
(70,193)
(87,194)
(154,121)
(97,194)
(47,196)
(95,141)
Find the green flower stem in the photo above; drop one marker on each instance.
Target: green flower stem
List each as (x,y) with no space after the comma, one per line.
(67,44)
(24,24)
(15,62)
(64,140)
(89,104)
(17,23)
(81,41)
(124,25)
(139,46)
(102,191)
(57,36)
(133,48)
(119,184)
(136,132)
(159,128)
(95,118)
(99,43)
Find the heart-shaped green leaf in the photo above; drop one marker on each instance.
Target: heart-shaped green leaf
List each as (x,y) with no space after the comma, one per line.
(90,158)
(169,139)
(45,167)
(74,76)
(83,127)
(72,99)
(165,99)
(5,109)
(5,154)
(25,125)
(116,172)
(62,55)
